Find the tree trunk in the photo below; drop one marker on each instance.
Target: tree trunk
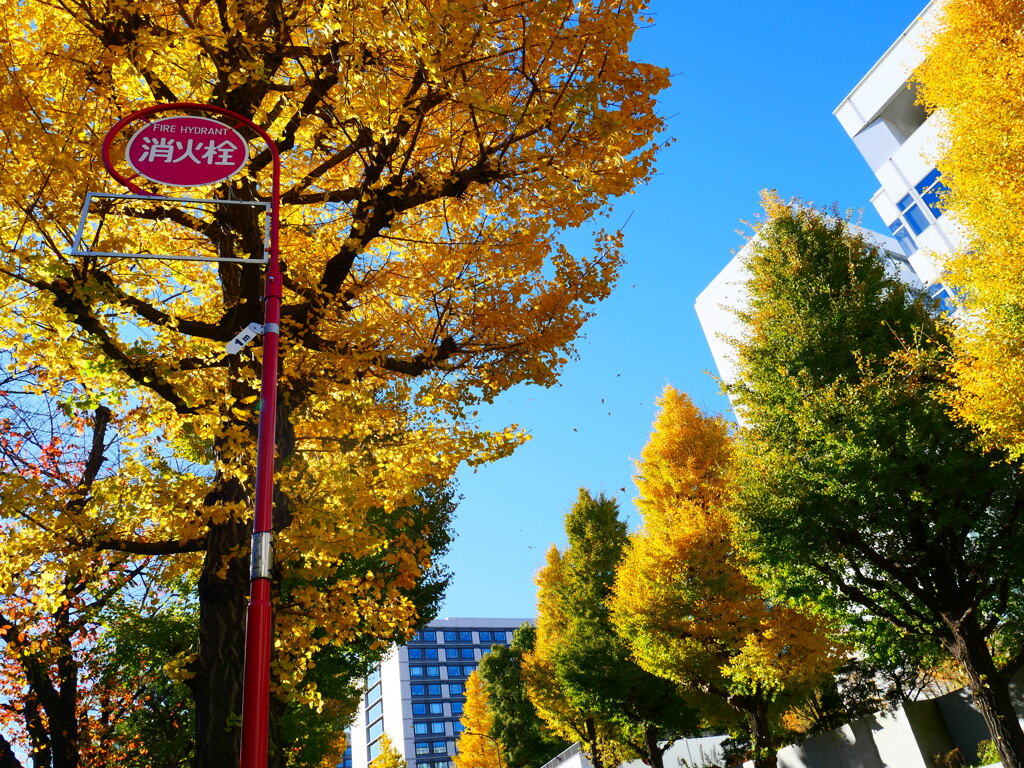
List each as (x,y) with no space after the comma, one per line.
(217,683)
(990,688)
(592,746)
(762,744)
(655,752)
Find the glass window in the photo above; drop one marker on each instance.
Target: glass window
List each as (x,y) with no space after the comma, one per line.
(375,730)
(415,653)
(456,708)
(434,689)
(433,671)
(499,637)
(903,237)
(373,694)
(424,765)
(485,637)
(456,689)
(912,214)
(436,708)
(372,751)
(945,297)
(437,726)
(465,637)
(420,729)
(449,637)
(418,689)
(429,636)
(451,653)
(373,677)
(415,670)
(932,191)
(430,653)
(419,709)
(467,653)
(467,669)
(459,728)
(422,747)
(454,671)
(375,711)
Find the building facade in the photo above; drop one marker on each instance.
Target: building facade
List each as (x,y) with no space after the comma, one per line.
(899,141)
(415,695)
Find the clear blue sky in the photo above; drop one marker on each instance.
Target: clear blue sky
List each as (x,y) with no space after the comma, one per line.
(750,107)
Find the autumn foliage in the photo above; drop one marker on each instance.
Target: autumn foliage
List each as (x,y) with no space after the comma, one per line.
(683,601)
(431,153)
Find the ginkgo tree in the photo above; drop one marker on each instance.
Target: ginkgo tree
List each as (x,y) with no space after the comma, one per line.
(683,603)
(432,151)
(972,75)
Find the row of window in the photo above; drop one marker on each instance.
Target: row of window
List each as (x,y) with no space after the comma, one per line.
(912,219)
(435,727)
(449,653)
(460,636)
(431,670)
(431,747)
(434,689)
(435,708)
(434,764)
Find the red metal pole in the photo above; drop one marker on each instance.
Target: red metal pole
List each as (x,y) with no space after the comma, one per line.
(259,618)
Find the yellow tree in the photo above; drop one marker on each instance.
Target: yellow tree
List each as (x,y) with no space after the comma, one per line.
(431,152)
(681,599)
(389,756)
(974,74)
(476,747)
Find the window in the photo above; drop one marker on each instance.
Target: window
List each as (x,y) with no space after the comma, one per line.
(451,653)
(485,637)
(373,694)
(375,730)
(373,677)
(454,671)
(440,747)
(437,726)
(422,747)
(415,670)
(945,296)
(913,215)
(456,689)
(456,708)
(433,671)
(372,751)
(375,711)
(419,709)
(418,689)
(932,190)
(467,669)
(423,653)
(467,653)
(458,637)
(430,653)
(499,637)
(459,728)
(431,708)
(424,636)
(415,653)
(903,237)
(421,729)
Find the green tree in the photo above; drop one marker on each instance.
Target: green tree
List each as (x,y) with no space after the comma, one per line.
(682,602)
(589,665)
(521,733)
(858,491)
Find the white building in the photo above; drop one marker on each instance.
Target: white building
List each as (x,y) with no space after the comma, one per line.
(900,142)
(416,693)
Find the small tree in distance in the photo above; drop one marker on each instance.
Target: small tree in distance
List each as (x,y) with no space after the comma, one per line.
(477,747)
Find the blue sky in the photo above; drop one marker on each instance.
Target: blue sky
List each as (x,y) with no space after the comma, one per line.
(750,107)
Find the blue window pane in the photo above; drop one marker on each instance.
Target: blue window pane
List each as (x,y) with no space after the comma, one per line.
(372,751)
(440,747)
(449,637)
(467,653)
(945,296)
(375,711)
(451,653)
(419,709)
(459,727)
(436,708)
(434,689)
(430,653)
(429,636)
(454,671)
(932,191)
(456,707)
(373,677)
(437,727)
(433,671)
(499,637)
(375,730)
(419,690)
(899,231)
(913,215)
(420,728)
(415,671)
(456,689)
(415,653)
(485,637)
(465,637)
(422,747)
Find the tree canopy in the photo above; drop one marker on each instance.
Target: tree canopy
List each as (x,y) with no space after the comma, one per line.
(851,493)
(972,75)
(431,153)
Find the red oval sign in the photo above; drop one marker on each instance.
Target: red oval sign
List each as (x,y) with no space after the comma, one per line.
(186,151)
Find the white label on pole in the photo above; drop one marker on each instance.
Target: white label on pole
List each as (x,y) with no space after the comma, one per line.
(237,344)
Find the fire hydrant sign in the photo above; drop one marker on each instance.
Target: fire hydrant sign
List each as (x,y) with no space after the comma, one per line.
(185,151)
